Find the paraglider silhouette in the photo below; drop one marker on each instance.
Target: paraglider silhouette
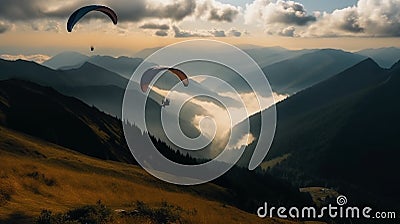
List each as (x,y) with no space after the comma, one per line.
(151,73)
(80,13)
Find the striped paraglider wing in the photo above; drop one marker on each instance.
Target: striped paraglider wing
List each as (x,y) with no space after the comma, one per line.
(80,13)
(151,73)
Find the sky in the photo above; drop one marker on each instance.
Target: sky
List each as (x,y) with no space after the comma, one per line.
(37,28)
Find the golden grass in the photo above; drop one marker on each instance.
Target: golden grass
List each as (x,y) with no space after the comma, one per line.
(320,194)
(273,162)
(46,176)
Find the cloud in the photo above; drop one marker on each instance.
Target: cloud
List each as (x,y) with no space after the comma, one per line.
(4,27)
(222,33)
(369,18)
(21,9)
(235,33)
(245,140)
(284,12)
(216,11)
(38,58)
(128,10)
(155,26)
(185,34)
(161,33)
(227,14)
(177,10)
(288,32)
(218,33)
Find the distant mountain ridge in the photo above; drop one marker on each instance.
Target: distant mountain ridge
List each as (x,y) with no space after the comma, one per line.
(265,56)
(90,83)
(66,59)
(288,71)
(300,72)
(124,66)
(385,57)
(86,75)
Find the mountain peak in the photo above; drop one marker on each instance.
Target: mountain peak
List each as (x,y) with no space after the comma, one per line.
(368,62)
(333,51)
(66,59)
(396,65)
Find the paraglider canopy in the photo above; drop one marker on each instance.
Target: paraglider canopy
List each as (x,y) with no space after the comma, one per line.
(78,14)
(151,73)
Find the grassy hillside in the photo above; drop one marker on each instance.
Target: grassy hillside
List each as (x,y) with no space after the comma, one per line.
(36,175)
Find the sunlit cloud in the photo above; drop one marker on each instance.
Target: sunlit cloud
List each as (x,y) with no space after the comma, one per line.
(288,32)
(284,12)
(216,11)
(251,102)
(38,58)
(245,140)
(369,18)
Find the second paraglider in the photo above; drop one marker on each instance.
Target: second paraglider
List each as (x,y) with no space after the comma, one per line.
(152,72)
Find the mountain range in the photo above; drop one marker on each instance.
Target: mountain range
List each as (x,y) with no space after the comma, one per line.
(300,72)
(341,133)
(385,57)
(52,135)
(62,120)
(123,66)
(288,71)
(338,129)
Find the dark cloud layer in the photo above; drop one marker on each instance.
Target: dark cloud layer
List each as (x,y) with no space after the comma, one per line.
(4,27)
(154,26)
(20,9)
(235,33)
(128,10)
(218,33)
(161,33)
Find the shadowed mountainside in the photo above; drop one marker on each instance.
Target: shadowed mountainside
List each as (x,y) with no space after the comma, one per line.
(342,133)
(62,120)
